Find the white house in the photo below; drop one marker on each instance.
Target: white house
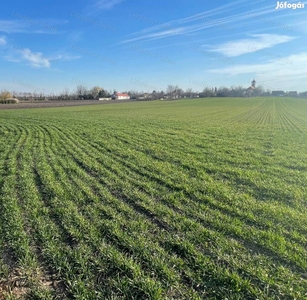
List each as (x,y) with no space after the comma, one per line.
(121,96)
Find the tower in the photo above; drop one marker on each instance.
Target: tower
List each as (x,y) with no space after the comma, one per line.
(254,83)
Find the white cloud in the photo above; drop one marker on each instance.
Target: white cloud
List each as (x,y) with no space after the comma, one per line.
(107,4)
(39,60)
(256,43)
(35,59)
(2,41)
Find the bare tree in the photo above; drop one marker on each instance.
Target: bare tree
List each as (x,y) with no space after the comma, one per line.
(65,94)
(223,92)
(258,91)
(189,92)
(174,91)
(81,91)
(170,90)
(179,92)
(207,92)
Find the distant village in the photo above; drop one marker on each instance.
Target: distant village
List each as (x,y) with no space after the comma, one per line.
(171,92)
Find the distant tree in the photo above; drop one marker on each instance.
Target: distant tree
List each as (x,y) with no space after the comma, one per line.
(157,94)
(154,95)
(240,91)
(64,94)
(81,91)
(223,92)
(258,91)
(133,94)
(179,92)
(103,94)
(237,91)
(5,95)
(188,92)
(14,94)
(303,94)
(207,92)
(174,91)
(170,90)
(95,91)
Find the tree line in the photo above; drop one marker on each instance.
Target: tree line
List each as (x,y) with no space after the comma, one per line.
(172,91)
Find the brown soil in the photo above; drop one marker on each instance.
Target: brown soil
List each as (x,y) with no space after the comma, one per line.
(57,103)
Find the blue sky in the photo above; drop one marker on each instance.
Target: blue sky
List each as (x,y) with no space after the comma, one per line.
(48,46)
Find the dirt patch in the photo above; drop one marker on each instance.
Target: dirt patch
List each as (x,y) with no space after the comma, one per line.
(54,103)
(18,282)
(14,284)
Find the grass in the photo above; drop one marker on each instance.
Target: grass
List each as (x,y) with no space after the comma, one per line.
(188,199)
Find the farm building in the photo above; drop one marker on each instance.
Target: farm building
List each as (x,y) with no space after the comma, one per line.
(121,96)
(9,101)
(292,94)
(250,90)
(278,93)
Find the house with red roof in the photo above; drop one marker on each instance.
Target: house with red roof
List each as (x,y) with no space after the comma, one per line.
(121,96)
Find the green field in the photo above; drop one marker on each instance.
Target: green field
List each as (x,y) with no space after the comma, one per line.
(188,199)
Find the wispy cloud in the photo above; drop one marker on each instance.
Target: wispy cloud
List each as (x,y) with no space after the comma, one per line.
(220,18)
(272,72)
(29,26)
(201,22)
(298,62)
(275,70)
(12,26)
(43,24)
(106,4)
(2,41)
(197,17)
(250,45)
(64,57)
